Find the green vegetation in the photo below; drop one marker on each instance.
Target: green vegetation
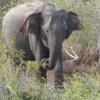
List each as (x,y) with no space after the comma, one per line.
(20,85)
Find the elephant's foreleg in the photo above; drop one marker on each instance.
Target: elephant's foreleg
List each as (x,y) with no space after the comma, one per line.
(59,78)
(37,47)
(41,51)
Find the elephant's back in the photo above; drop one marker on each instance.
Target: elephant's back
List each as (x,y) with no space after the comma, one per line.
(18,14)
(14,19)
(27,8)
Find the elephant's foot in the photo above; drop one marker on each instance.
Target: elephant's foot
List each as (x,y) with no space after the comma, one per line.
(43,70)
(59,79)
(59,84)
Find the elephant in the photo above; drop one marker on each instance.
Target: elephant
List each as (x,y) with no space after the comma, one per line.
(39,29)
(98,53)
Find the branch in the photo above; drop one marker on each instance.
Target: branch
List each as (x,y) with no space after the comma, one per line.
(73,55)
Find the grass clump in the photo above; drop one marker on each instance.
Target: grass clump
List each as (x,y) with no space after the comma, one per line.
(83,87)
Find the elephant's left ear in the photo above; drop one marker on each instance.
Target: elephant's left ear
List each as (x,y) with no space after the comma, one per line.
(32,23)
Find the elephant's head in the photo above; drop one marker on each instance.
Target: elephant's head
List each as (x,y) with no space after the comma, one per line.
(60,27)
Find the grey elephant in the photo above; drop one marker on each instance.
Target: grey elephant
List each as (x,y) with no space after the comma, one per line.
(39,30)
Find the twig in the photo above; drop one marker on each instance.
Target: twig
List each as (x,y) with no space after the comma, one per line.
(73,55)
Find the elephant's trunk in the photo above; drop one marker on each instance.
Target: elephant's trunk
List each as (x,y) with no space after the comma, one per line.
(55,50)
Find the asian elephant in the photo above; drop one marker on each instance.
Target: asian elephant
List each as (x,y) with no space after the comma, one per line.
(39,30)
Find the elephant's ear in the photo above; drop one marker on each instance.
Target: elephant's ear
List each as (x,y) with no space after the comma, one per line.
(24,27)
(32,23)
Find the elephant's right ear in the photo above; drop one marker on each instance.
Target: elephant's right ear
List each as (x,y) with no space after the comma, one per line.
(32,23)
(24,27)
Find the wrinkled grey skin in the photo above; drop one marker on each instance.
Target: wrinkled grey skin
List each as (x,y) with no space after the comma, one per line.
(40,35)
